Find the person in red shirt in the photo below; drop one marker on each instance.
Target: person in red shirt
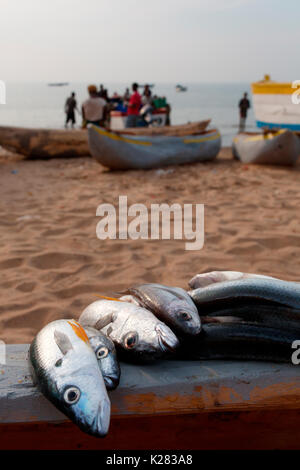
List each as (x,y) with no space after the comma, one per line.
(134,106)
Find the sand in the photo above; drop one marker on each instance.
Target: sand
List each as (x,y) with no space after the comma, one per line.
(52,265)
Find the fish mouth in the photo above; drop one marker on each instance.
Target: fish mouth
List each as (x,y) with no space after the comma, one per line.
(196,328)
(100,424)
(111,382)
(168,342)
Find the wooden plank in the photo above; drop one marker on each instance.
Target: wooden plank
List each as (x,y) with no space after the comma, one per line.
(226,430)
(164,388)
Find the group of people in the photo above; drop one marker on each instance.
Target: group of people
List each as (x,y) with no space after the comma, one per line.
(96,109)
(93,110)
(139,108)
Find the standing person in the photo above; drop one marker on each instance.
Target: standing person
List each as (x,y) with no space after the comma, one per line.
(134,106)
(244,105)
(147,108)
(94,108)
(101,91)
(70,107)
(105,95)
(126,96)
(147,95)
(147,91)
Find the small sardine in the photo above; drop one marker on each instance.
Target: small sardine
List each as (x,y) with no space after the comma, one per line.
(106,356)
(136,332)
(172,305)
(66,370)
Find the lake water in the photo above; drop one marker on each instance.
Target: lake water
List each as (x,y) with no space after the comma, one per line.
(38,105)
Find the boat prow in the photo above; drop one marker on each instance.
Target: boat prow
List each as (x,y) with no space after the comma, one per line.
(280,148)
(123,152)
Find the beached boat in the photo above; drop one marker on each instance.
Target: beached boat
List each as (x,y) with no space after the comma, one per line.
(121,152)
(168,405)
(276,105)
(45,143)
(273,148)
(64,143)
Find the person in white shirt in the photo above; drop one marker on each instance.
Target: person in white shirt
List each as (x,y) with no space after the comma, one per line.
(94,108)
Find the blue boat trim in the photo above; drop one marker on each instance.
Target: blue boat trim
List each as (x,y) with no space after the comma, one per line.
(270,125)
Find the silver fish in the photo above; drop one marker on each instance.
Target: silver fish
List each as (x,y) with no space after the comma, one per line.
(258,290)
(106,356)
(66,371)
(172,305)
(205,279)
(136,332)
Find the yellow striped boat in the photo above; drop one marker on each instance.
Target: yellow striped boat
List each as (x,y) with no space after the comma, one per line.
(276,104)
(272,148)
(122,152)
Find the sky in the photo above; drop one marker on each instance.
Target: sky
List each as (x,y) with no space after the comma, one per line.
(172,41)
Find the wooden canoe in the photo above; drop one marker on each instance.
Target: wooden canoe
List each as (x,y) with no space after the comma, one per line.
(121,152)
(60,143)
(279,148)
(167,405)
(45,143)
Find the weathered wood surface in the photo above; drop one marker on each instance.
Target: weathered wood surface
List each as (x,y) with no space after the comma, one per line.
(168,405)
(168,387)
(222,430)
(45,143)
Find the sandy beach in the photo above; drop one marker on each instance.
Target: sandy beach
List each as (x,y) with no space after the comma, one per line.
(52,264)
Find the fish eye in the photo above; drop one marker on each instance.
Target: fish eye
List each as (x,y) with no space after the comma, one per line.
(130,340)
(102,353)
(71,395)
(185,316)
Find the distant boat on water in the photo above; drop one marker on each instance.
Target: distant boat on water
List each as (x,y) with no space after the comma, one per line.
(151,85)
(180,88)
(58,84)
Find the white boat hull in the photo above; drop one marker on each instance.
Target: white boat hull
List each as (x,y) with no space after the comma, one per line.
(281,148)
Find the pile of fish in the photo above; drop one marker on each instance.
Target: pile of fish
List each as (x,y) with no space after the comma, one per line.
(225,315)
